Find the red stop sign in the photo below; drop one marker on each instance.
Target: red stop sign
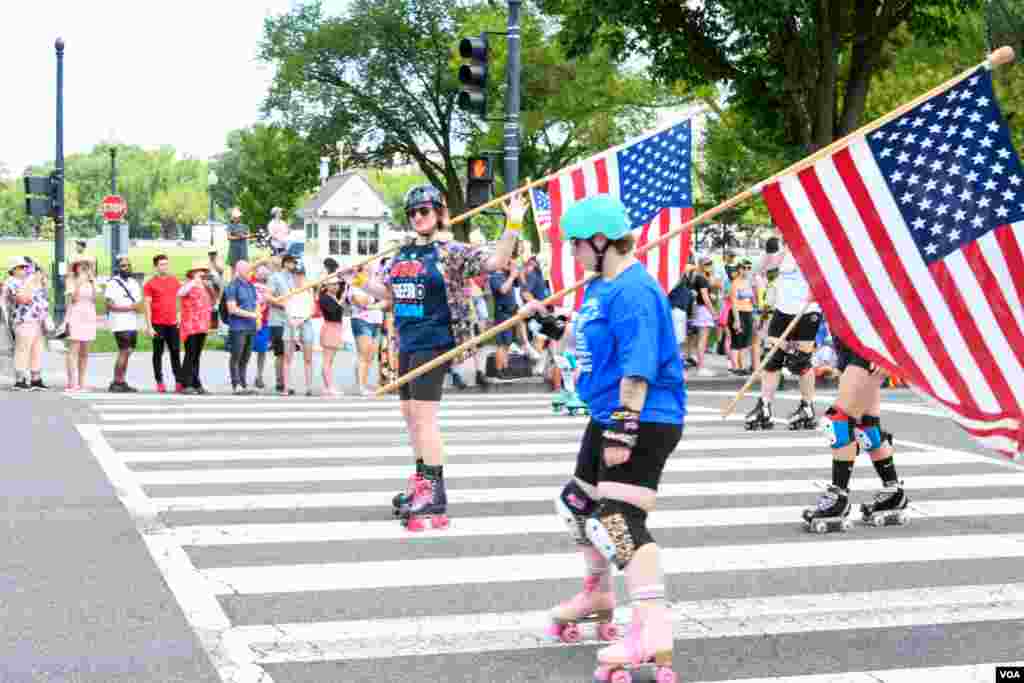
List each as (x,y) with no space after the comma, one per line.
(113,207)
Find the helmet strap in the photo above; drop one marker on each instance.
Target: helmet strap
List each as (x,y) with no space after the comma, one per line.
(599,267)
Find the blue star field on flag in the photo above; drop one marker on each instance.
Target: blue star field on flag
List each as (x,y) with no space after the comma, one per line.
(655,173)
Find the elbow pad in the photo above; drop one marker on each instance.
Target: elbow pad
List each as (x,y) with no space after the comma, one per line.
(551,326)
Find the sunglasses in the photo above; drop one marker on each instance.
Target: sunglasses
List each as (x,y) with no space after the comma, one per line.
(423,211)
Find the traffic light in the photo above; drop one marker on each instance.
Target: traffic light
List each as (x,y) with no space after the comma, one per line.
(473,76)
(479,181)
(45,205)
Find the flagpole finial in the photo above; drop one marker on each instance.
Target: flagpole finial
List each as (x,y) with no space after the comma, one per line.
(1003,55)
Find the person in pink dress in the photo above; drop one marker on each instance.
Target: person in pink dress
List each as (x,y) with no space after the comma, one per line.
(196,297)
(81,317)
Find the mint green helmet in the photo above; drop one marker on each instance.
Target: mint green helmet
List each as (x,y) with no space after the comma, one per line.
(602,214)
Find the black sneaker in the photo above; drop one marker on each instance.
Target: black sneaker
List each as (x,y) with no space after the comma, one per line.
(481,379)
(20,385)
(259,383)
(201,391)
(37,385)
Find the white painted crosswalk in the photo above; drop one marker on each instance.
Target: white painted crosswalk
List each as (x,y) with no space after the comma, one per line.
(283,554)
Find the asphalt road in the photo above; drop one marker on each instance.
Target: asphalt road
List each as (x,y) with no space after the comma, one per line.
(269,522)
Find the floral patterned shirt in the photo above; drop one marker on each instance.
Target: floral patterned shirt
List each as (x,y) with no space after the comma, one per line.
(35,310)
(196,309)
(459,263)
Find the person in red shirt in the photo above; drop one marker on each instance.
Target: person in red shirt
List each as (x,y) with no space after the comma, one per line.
(161,296)
(196,296)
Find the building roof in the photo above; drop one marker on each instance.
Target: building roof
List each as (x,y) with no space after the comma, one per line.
(331,187)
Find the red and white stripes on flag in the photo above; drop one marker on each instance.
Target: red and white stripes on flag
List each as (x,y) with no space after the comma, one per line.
(651,176)
(911,242)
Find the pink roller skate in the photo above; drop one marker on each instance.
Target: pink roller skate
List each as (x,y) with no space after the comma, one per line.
(402,500)
(647,645)
(428,502)
(585,607)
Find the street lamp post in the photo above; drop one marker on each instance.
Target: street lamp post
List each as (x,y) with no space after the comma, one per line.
(211,180)
(58,177)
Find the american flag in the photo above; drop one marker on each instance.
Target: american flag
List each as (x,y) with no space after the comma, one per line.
(651,176)
(541,209)
(911,241)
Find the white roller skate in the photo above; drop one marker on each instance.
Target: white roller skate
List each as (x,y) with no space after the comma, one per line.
(803,417)
(889,507)
(589,606)
(832,512)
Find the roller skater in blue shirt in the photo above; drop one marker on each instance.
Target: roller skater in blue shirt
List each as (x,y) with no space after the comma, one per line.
(631,378)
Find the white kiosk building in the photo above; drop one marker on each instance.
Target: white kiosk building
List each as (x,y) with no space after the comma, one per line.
(348,220)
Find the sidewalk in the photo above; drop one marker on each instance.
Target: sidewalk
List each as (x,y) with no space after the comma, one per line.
(216,377)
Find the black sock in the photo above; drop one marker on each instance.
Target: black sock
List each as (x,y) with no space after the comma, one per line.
(433,472)
(886,469)
(842,470)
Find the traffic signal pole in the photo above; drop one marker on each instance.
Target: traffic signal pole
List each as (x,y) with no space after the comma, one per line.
(513,73)
(57,271)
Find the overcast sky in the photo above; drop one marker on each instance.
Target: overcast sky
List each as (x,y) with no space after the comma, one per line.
(179,72)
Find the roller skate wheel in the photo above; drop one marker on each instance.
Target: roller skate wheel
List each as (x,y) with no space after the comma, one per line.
(571,634)
(878,520)
(414,524)
(603,674)
(819,527)
(622,676)
(846,525)
(608,631)
(440,521)
(902,519)
(666,675)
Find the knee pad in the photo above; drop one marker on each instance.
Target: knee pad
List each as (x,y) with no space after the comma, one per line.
(573,506)
(618,529)
(778,359)
(869,434)
(798,362)
(838,428)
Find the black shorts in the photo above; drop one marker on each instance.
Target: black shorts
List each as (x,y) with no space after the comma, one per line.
(806,330)
(845,356)
(127,340)
(277,340)
(655,443)
(426,387)
(741,340)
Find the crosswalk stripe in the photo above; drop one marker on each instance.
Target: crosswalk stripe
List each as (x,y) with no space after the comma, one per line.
(736,618)
(517,525)
(485,406)
(816,461)
(346,576)
(379,499)
(168,415)
(451,450)
(362,424)
(974,673)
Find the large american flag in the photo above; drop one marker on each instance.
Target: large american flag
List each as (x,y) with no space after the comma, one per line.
(911,241)
(651,176)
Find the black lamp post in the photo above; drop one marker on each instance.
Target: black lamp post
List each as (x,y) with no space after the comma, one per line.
(58,193)
(211,180)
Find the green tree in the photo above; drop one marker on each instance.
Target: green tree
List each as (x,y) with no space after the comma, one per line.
(181,205)
(800,70)
(277,168)
(378,78)
(226,166)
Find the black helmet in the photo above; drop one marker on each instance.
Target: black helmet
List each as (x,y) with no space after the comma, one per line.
(423,195)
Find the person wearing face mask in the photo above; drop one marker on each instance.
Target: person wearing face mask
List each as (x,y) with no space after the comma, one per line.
(631,378)
(124,301)
(425,283)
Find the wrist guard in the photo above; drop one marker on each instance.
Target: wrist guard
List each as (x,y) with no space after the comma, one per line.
(551,326)
(624,429)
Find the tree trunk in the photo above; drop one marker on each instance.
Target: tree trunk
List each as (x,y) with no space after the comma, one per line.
(823,106)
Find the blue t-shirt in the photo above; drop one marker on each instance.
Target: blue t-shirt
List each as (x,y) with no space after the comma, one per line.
(502,300)
(243,293)
(420,300)
(536,285)
(624,329)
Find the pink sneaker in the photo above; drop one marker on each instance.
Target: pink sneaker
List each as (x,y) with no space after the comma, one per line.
(588,606)
(161,388)
(647,645)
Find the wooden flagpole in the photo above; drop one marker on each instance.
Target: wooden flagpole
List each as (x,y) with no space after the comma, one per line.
(1003,55)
